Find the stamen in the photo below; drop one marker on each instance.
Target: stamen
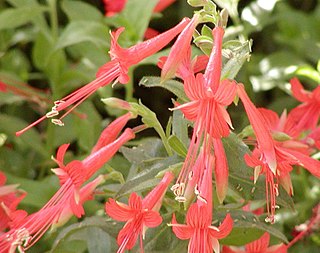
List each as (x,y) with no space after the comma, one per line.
(202,199)
(214,228)
(52,113)
(180,199)
(57,122)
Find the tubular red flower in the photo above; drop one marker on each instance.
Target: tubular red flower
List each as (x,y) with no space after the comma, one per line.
(258,246)
(306,115)
(203,236)
(138,214)
(179,49)
(262,133)
(115,70)
(211,120)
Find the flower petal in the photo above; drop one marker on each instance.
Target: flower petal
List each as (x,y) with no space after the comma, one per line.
(220,169)
(298,91)
(259,245)
(224,229)
(118,211)
(183,232)
(259,126)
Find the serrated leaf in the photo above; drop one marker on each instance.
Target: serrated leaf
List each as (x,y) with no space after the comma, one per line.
(177,146)
(15,17)
(173,86)
(77,10)
(81,31)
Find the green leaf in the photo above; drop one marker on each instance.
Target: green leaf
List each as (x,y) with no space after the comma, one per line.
(95,232)
(39,192)
(146,178)
(174,86)
(138,14)
(147,149)
(240,174)
(9,125)
(150,119)
(15,17)
(308,71)
(180,127)
(88,128)
(77,10)
(81,31)
(177,146)
(237,54)
(246,228)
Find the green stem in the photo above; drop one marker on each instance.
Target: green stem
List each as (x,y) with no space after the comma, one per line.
(54,18)
(129,87)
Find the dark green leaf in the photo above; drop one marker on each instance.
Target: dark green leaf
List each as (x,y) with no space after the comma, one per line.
(39,192)
(146,178)
(247,228)
(9,125)
(174,86)
(96,232)
(177,146)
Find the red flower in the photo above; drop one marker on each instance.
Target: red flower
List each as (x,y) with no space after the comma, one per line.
(203,236)
(115,70)
(179,49)
(207,109)
(306,115)
(27,230)
(10,197)
(139,214)
(258,246)
(113,7)
(288,152)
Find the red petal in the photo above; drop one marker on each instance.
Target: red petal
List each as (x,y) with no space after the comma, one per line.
(60,154)
(135,201)
(298,92)
(224,229)
(271,118)
(310,164)
(181,231)
(118,211)
(220,170)
(111,132)
(226,92)
(179,49)
(152,219)
(259,245)
(213,70)
(226,249)
(259,126)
